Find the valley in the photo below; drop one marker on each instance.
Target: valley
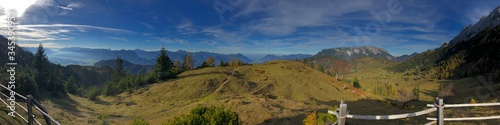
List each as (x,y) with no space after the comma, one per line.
(303,64)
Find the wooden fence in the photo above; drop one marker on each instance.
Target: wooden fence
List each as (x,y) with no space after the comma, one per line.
(342,114)
(30,102)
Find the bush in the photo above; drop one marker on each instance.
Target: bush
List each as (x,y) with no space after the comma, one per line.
(207,116)
(104,119)
(92,93)
(138,121)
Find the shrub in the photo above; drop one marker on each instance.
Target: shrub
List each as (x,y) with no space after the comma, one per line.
(207,116)
(138,121)
(104,119)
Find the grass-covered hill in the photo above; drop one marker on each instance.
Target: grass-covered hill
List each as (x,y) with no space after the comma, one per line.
(277,92)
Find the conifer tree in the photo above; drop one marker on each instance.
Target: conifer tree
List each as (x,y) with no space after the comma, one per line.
(40,63)
(163,62)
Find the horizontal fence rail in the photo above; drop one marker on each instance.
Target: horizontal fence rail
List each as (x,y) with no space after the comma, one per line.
(467,105)
(390,117)
(467,118)
(341,113)
(31,102)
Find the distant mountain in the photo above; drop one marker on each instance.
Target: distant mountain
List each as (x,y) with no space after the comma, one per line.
(198,57)
(405,57)
(88,56)
(476,54)
(271,57)
(85,75)
(348,53)
(345,60)
(127,66)
(486,22)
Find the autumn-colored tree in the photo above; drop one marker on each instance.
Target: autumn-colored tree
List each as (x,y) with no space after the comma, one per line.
(310,119)
(231,61)
(188,62)
(238,62)
(210,61)
(177,64)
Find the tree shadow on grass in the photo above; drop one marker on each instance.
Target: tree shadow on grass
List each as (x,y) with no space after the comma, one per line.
(360,107)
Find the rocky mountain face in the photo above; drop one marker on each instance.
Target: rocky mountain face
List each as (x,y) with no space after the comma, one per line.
(271,57)
(348,53)
(486,22)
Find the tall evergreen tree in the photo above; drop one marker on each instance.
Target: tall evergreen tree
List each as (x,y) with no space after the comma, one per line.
(40,63)
(221,63)
(117,70)
(163,68)
(163,62)
(188,62)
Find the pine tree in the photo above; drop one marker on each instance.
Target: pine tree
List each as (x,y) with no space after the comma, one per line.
(117,71)
(221,63)
(40,63)
(163,68)
(188,62)
(356,83)
(163,62)
(71,86)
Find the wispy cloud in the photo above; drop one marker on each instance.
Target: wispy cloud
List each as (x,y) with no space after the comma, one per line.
(45,45)
(118,38)
(146,25)
(186,27)
(107,29)
(169,40)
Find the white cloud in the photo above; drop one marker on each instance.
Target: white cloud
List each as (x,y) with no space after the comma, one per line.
(45,45)
(65,8)
(19,6)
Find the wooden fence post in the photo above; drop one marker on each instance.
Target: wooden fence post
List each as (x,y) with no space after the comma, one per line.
(30,112)
(440,115)
(342,113)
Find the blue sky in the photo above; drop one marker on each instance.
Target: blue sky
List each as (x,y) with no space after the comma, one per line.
(243,26)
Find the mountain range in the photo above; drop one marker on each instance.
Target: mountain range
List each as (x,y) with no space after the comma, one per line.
(89,56)
(271,57)
(348,53)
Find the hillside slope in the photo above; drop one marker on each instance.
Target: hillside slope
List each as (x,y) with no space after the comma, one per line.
(277,92)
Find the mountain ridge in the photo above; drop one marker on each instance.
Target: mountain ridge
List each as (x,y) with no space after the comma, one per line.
(486,22)
(89,56)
